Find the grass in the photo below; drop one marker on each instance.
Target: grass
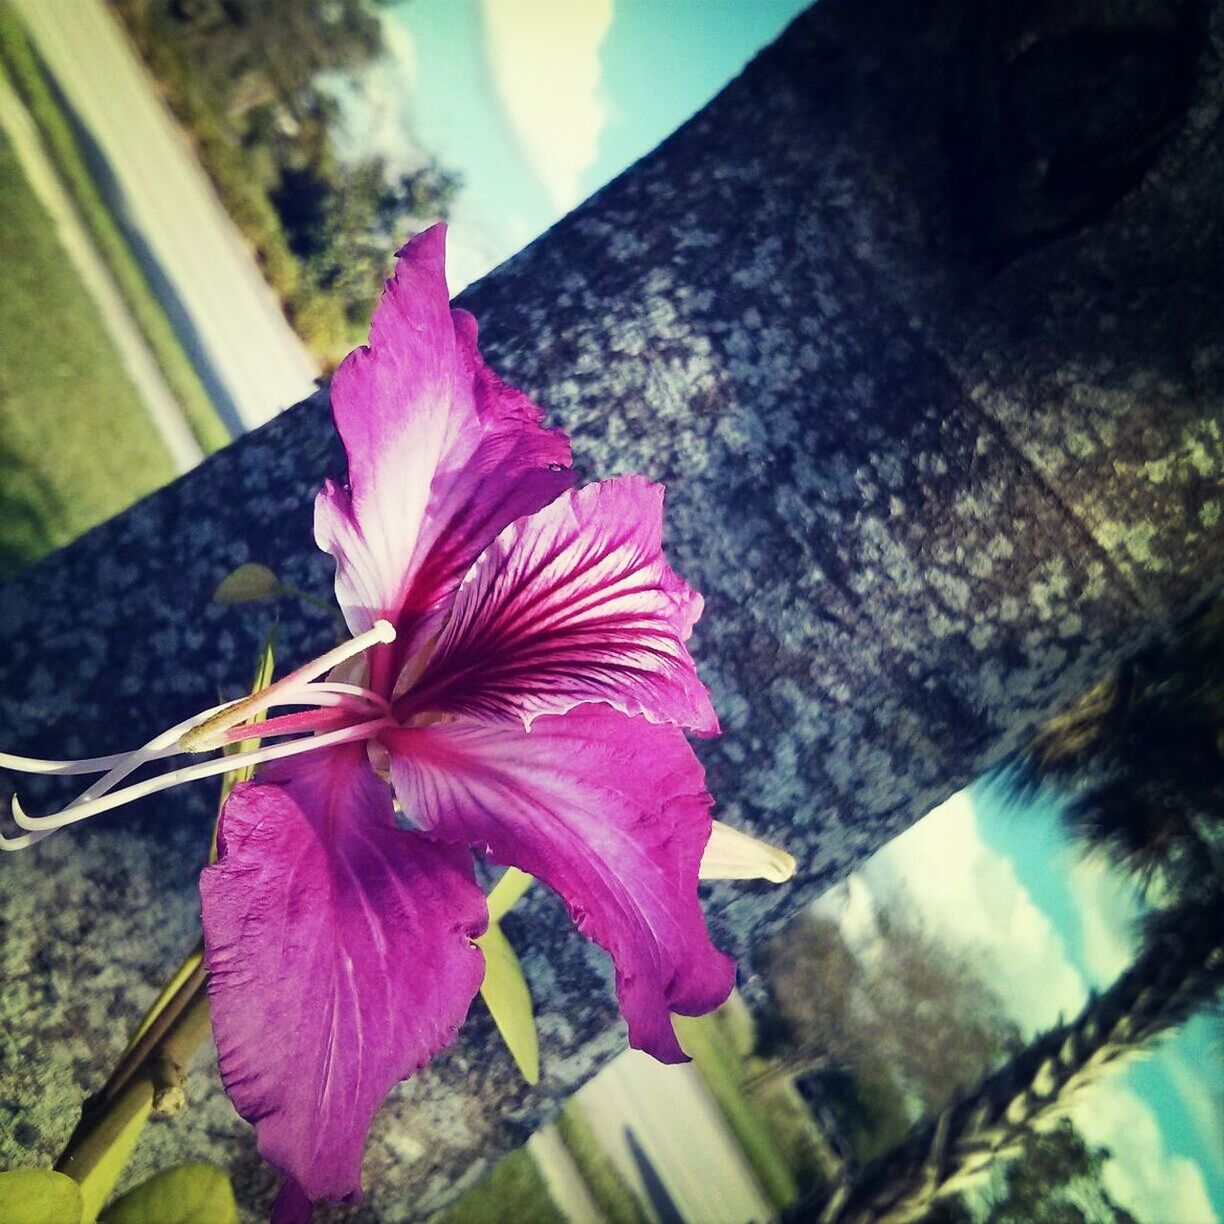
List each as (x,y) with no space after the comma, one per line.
(513,1190)
(766,1128)
(615,1197)
(18,59)
(75,442)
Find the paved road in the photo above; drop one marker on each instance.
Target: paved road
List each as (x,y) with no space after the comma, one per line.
(661,1124)
(96,278)
(248,356)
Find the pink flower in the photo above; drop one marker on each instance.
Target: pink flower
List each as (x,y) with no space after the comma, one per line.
(529,707)
(518,685)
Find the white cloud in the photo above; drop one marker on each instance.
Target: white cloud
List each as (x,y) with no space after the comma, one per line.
(1107,907)
(545,60)
(1142,1177)
(971,895)
(376,109)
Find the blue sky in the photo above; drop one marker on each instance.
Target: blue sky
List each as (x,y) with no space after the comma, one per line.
(538,103)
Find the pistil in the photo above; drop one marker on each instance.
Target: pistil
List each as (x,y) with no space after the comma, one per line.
(209,734)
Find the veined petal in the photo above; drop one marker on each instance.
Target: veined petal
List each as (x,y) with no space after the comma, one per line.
(441,454)
(609,811)
(340,959)
(574,604)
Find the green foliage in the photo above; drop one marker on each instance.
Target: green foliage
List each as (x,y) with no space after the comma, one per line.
(504,990)
(39,1196)
(68,390)
(911,1023)
(613,1195)
(249,583)
(1056,1179)
(185,1194)
(55,130)
(263,677)
(243,77)
(867,1106)
(102,1165)
(513,1190)
(1141,760)
(506,893)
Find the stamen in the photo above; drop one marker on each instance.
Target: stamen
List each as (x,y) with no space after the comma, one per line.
(124,763)
(348,690)
(22,764)
(24,842)
(204,737)
(83,808)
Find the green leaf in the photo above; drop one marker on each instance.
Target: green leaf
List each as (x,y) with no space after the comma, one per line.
(39,1196)
(507,891)
(248,584)
(509,1001)
(186,1194)
(102,1172)
(262,678)
(260,681)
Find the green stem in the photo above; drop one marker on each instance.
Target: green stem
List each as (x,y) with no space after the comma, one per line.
(149,1079)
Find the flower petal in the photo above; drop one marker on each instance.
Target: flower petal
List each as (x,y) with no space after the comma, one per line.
(574,604)
(733,855)
(609,811)
(441,454)
(339,955)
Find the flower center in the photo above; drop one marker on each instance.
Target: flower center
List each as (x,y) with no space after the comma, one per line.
(339,713)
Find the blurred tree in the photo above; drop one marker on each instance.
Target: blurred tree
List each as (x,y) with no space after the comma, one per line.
(1143,756)
(882,1033)
(254,82)
(1056,1179)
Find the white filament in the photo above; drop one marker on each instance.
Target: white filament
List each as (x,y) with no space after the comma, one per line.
(82,808)
(201,732)
(204,737)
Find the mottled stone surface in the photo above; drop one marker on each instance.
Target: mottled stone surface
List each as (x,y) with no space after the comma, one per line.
(919,320)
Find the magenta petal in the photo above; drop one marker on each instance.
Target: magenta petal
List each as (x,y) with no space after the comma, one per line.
(573,604)
(609,811)
(339,955)
(291,1205)
(501,465)
(441,454)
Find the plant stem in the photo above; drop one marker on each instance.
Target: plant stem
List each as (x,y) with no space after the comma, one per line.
(150,1077)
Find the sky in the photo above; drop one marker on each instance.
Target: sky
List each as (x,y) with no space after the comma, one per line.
(1001,877)
(538,103)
